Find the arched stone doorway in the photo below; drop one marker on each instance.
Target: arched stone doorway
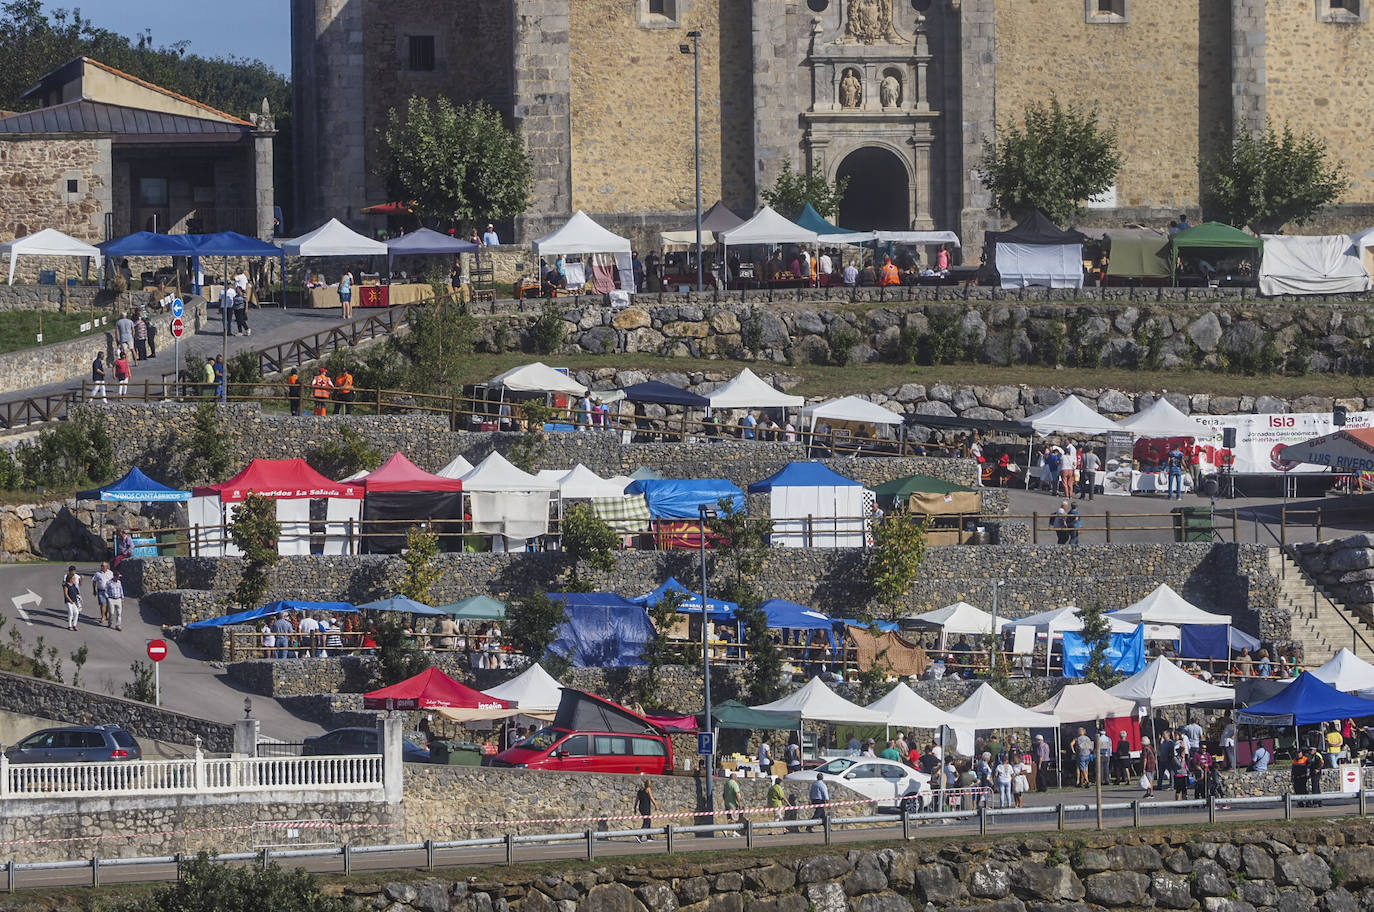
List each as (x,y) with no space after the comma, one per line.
(879,192)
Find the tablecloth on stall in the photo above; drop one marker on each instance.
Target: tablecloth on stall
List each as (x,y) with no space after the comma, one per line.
(625,515)
(514,515)
(898,655)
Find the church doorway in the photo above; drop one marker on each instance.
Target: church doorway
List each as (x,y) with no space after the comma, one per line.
(879,194)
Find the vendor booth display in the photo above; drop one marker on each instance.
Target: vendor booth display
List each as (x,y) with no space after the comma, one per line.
(536,378)
(943,502)
(48,243)
(292,484)
(1307,701)
(1036,252)
(1163,419)
(1213,251)
(749,391)
(135,487)
(433,690)
(675,505)
(1069,415)
(1163,683)
(507,503)
(455,469)
(582,236)
(812,506)
(849,419)
(581,483)
(959,619)
(332,239)
(689,602)
(1085,702)
(534,690)
(402,604)
(602,630)
(987,709)
(1306,265)
(271,610)
(399,494)
(1163,612)
(1137,257)
(475,608)
(812,220)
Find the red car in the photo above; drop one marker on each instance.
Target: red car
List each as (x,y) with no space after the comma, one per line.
(593,735)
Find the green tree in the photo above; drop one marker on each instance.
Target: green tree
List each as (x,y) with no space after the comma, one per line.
(1058,158)
(255,531)
(421,572)
(742,545)
(586,539)
(68,454)
(344,455)
(207,457)
(141,687)
(437,348)
(460,164)
(793,190)
(529,448)
(1266,181)
(549,330)
(1097,636)
(397,656)
(894,561)
(209,886)
(531,622)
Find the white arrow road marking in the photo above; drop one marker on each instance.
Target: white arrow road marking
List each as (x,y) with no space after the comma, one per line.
(28,598)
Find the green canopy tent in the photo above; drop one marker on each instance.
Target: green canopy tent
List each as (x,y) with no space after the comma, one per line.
(1213,236)
(813,220)
(1137,253)
(734,714)
(477,608)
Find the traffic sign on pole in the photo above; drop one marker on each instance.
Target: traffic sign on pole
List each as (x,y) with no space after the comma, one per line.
(178,327)
(178,308)
(157,650)
(706,743)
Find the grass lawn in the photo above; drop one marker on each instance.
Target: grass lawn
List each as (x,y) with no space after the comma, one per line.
(19,328)
(867,378)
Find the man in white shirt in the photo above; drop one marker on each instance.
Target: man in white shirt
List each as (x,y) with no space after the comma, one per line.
(489,238)
(826,265)
(99,580)
(1261,759)
(309,629)
(241,283)
(851,275)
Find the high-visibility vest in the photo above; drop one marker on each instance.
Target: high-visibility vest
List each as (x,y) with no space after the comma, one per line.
(345,383)
(322,385)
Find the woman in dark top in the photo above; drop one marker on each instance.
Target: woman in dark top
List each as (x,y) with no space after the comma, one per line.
(645,803)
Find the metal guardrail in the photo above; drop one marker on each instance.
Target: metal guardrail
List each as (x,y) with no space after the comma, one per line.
(1059,817)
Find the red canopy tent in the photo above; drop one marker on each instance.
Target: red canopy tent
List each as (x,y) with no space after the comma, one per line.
(401,494)
(432,689)
(292,483)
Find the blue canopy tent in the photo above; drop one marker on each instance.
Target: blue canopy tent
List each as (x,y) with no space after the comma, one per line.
(664,394)
(271,609)
(803,475)
(227,244)
(602,630)
(678,498)
(145,243)
(812,220)
(135,487)
(1307,701)
(691,603)
(425,241)
(880,626)
(785,615)
(401,604)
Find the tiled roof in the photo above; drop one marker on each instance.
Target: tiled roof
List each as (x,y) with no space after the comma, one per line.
(83,116)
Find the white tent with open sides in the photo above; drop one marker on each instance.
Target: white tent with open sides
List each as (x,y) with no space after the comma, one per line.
(1347,671)
(747,390)
(1069,415)
(903,707)
(817,703)
(534,690)
(537,378)
(1084,703)
(986,708)
(507,503)
(1163,419)
(333,239)
(47,243)
(1164,611)
(767,227)
(959,619)
(581,235)
(1162,683)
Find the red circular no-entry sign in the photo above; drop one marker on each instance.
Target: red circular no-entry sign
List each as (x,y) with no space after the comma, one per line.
(178,327)
(157,650)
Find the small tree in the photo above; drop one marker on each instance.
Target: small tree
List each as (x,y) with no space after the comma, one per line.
(763,668)
(1057,159)
(1266,181)
(1097,636)
(207,457)
(531,622)
(529,449)
(742,546)
(586,539)
(397,656)
(894,561)
(421,573)
(255,531)
(344,455)
(793,190)
(460,164)
(549,330)
(437,349)
(141,687)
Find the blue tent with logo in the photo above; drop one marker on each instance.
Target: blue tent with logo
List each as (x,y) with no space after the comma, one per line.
(785,615)
(692,603)
(803,475)
(271,609)
(227,244)
(1126,652)
(602,630)
(135,487)
(1306,701)
(680,498)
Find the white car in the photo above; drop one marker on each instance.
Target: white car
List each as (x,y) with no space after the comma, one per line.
(887,782)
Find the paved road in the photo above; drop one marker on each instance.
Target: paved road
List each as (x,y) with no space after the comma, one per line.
(30,598)
(628,848)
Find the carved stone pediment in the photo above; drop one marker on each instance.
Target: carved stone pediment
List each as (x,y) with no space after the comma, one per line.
(870,22)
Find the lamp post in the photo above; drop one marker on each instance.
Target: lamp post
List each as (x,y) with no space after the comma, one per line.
(992,646)
(695,50)
(707,514)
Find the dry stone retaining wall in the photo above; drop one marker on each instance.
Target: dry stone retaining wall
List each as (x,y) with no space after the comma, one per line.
(1344,569)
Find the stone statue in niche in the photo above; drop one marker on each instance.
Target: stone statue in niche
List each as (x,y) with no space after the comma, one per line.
(851,90)
(870,22)
(890,91)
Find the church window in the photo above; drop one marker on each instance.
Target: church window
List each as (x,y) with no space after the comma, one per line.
(1343,11)
(660,13)
(1105,12)
(421,56)
(817,6)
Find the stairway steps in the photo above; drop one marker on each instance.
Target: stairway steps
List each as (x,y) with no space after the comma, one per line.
(1317,622)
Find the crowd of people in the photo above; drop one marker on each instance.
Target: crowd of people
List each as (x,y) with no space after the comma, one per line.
(321,634)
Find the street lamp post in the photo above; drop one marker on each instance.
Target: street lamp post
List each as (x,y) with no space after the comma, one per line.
(695,50)
(707,514)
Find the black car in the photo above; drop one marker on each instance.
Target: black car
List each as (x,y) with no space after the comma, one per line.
(76,744)
(358,741)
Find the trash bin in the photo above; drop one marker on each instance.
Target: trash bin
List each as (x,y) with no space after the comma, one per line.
(1192,524)
(441,752)
(464,753)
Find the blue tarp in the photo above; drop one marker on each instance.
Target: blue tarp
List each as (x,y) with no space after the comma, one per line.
(785,615)
(881,626)
(1126,652)
(603,630)
(664,394)
(271,609)
(146,243)
(1204,641)
(403,605)
(692,605)
(1306,701)
(803,475)
(136,487)
(680,498)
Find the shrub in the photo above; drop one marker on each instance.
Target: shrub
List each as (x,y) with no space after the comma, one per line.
(943,342)
(549,330)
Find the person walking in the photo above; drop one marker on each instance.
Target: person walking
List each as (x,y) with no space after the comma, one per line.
(1180,774)
(819,796)
(226,310)
(124,332)
(71,596)
(293,392)
(1083,753)
(322,390)
(645,804)
(207,379)
(1174,464)
(1073,522)
(1003,776)
(1149,764)
(221,379)
(241,313)
(122,372)
(151,329)
(114,595)
(98,377)
(1042,763)
(346,294)
(100,580)
(777,798)
(731,799)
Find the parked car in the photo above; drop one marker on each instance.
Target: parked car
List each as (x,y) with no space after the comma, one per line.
(887,782)
(358,741)
(590,734)
(76,744)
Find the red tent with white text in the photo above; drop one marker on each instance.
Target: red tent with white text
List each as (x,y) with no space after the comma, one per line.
(294,485)
(432,689)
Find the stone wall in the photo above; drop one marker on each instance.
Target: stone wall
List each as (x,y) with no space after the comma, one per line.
(1344,569)
(74,529)
(70,360)
(35,193)
(78,706)
(50,298)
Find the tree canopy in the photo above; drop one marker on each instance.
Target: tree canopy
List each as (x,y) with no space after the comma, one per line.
(1058,158)
(1266,181)
(460,164)
(794,189)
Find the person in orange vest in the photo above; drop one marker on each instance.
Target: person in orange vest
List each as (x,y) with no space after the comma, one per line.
(323,389)
(343,392)
(890,274)
(293,391)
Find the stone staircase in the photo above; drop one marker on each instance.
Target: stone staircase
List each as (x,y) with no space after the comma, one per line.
(1319,624)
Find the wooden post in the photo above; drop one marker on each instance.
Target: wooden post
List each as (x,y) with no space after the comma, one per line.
(1107,519)
(1035,528)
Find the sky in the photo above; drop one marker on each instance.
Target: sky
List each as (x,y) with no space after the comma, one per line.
(214,28)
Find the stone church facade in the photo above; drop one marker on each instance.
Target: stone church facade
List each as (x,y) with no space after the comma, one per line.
(897,95)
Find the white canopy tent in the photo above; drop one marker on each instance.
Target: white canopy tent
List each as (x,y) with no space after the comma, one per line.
(506,503)
(1312,265)
(534,690)
(686,238)
(767,227)
(1058,621)
(748,390)
(851,409)
(581,483)
(48,243)
(582,235)
(1069,415)
(333,238)
(1163,611)
(903,707)
(813,506)
(817,703)
(1085,702)
(961,618)
(455,469)
(537,378)
(1162,683)
(1347,671)
(1163,419)
(986,708)
(926,238)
